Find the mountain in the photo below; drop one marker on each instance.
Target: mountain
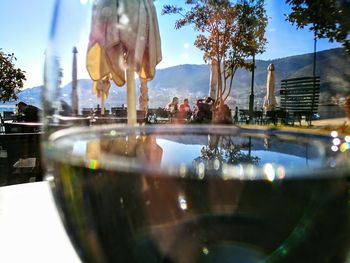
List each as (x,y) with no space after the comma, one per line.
(192,81)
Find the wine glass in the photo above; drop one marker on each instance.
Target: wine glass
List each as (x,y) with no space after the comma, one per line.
(200,193)
(257,184)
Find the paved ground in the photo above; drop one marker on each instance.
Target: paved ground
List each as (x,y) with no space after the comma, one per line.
(342,125)
(331,122)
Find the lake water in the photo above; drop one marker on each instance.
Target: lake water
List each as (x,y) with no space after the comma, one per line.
(328,112)
(325,112)
(7,108)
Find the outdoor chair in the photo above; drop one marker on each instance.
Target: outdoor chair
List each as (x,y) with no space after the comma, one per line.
(20,158)
(258,117)
(270,117)
(121,113)
(276,116)
(86,112)
(9,116)
(300,98)
(141,116)
(113,110)
(2,125)
(98,112)
(243,116)
(158,115)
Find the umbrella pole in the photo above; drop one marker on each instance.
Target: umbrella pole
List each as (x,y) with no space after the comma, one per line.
(103,104)
(143,99)
(131,90)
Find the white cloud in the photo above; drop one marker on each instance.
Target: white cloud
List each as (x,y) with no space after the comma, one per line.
(186,45)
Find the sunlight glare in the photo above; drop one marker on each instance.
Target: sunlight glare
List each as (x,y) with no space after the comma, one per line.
(334,148)
(344,147)
(280,172)
(336,141)
(216,164)
(183,170)
(205,250)
(269,172)
(182,202)
(250,172)
(334,134)
(201,170)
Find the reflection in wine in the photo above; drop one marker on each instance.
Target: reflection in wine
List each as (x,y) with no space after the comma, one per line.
(121,200)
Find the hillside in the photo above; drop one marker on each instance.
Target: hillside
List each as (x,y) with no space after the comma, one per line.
(192,81)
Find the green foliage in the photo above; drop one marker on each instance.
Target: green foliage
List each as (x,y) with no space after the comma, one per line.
(228,32)
(11,78)
(327,18)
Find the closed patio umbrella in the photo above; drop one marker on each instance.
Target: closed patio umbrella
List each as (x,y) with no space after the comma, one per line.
(270,99)
(124,39)
(75,102)
(101,89)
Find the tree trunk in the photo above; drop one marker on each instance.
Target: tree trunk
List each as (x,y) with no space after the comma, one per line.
(213,78)
(347,106)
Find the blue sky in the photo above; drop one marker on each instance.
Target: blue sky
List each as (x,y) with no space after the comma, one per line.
(25,27)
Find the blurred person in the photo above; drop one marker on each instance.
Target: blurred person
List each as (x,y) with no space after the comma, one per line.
(185,110)
(66,110)
(203,112)
(172,106)
(29,113)
(185,106)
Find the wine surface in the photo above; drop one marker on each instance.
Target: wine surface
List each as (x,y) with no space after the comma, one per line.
(165,196)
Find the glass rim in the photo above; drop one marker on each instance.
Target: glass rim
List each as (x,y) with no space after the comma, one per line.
(230,171)
(196,128)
